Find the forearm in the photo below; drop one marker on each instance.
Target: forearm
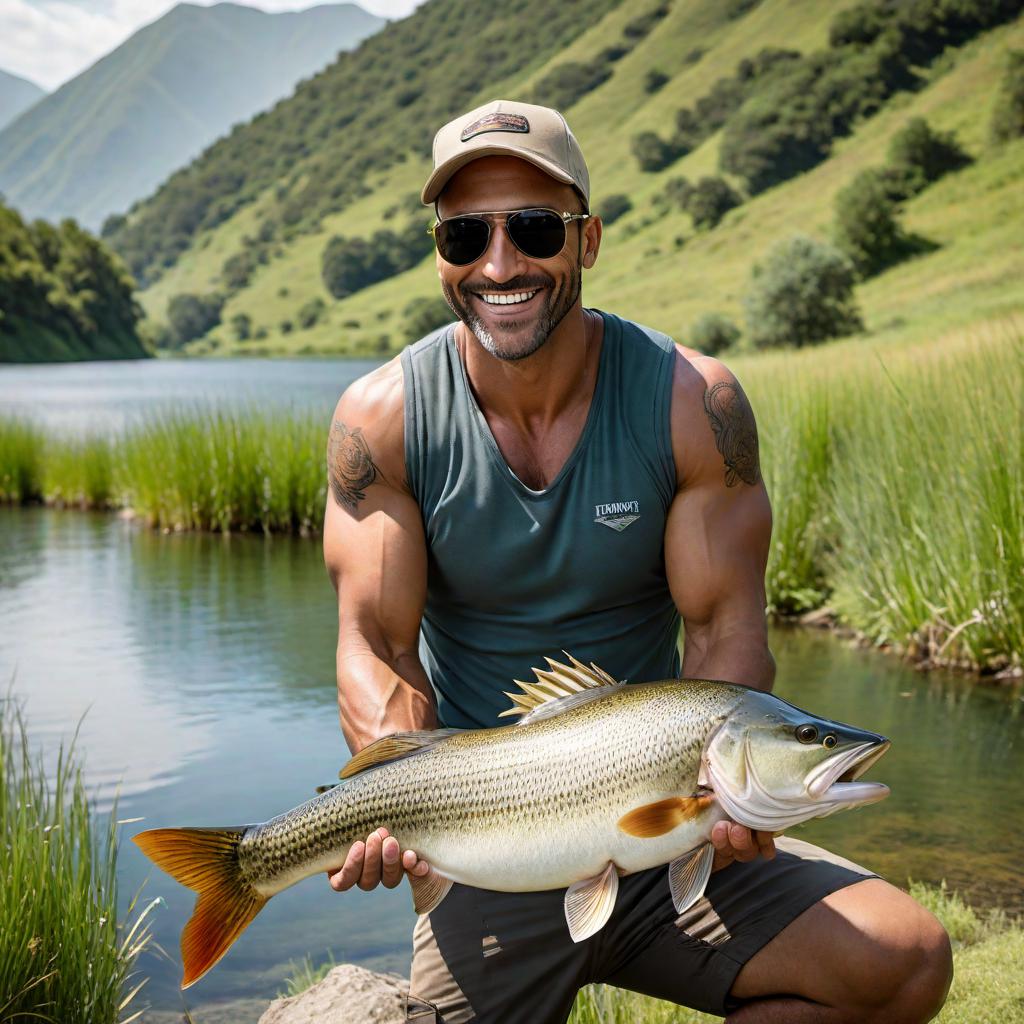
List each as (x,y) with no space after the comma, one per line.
(737,657)
(381,692)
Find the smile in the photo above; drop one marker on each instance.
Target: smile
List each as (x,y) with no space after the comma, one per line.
(506,298)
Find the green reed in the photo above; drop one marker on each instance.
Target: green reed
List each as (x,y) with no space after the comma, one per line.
(21,461)
(63,956)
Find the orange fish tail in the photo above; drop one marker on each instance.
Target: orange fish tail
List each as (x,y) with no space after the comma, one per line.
(206,860)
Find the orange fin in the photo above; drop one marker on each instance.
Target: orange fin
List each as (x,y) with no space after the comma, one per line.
(206,860)
(656,819)
(393,747)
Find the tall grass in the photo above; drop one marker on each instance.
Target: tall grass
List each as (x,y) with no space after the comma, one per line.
(21,461)
(63,956)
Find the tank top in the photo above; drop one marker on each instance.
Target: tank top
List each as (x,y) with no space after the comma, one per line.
(516,575)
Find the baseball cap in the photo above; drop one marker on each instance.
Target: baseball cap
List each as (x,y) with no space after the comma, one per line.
(507,128)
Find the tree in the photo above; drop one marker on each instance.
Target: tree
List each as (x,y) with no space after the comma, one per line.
(652,152)
(802,294)
(241,325)
(191,316)
(1008,115)
(612,207)
(654,80)
(867,227)
(423,315)
(923,155)
(311,312)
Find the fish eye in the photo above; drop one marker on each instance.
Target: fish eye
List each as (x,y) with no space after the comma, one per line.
(830,740)
(806,733)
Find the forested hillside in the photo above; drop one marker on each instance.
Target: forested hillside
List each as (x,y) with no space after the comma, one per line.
(113,133)
(713,132)
(63,295)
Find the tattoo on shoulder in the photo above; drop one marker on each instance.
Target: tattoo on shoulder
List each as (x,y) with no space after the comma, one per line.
(732,420)
(350,467)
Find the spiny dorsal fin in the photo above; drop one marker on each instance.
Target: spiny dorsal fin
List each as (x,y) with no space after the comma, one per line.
(558,682)
(393,747)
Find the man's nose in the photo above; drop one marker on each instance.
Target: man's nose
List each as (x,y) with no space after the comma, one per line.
(502,261)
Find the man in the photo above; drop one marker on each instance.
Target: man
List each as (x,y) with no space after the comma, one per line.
(540,477)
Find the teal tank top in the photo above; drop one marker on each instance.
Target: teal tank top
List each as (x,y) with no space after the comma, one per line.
(514,574)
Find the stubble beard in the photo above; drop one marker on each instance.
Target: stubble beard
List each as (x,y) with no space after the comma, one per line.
(551,315)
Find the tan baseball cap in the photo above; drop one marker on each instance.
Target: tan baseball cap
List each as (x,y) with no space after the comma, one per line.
(507,128)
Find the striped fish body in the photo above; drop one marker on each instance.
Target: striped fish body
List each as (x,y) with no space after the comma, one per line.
(520,808)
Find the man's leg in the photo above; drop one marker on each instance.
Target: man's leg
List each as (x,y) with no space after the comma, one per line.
(865,953)
(806,937)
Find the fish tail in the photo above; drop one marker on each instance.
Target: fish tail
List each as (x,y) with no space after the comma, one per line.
(206,860)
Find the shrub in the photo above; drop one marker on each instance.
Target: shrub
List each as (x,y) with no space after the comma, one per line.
(611,208)
(693,56)
(709,200)
(311,312)
(1008,115)
(287,326)
(639,28)
(241,325)
(924,155)
(652,152)
(563,85)
(349,264)
(678,191)
(423,315)
(713,333)
(737,8)
(802,294)
(191,316)
(867,228)
(237,270)
(654,80)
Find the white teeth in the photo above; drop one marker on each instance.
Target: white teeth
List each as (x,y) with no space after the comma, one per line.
(507,298)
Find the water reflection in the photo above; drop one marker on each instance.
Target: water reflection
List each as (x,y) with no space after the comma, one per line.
(206,665)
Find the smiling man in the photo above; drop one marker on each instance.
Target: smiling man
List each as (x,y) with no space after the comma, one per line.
(540,477)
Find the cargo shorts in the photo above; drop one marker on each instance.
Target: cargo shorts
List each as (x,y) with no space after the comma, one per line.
(507,958)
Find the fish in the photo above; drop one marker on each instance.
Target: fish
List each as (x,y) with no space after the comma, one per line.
(597,779)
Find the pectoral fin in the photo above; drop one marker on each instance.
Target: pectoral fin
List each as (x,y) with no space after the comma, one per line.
(688,876)
(589,903)
(651,820)
(428,891)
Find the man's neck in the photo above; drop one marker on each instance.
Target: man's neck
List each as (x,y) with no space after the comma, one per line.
(535,391)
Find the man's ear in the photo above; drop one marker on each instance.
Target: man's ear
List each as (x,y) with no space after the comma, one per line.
(591,241)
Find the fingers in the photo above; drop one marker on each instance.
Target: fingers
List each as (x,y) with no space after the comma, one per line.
(380,860)
(734,842)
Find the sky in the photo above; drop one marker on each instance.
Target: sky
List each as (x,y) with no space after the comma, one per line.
(50,41)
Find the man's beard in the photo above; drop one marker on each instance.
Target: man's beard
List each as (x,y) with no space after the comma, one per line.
(550,316)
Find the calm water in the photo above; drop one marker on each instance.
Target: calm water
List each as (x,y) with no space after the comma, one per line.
(204,667)
(110,395)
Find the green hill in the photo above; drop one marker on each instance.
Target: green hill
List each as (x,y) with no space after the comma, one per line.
(260,243)
(16,95)
(114,132)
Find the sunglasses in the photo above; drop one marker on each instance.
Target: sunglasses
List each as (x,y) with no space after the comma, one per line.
(538,234)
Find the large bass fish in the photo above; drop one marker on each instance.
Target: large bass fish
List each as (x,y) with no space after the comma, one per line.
(639,773)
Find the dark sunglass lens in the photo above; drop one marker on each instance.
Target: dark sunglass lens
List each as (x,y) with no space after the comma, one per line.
(462,240)
(538,233)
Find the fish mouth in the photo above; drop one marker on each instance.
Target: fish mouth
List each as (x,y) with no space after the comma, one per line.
(837,780)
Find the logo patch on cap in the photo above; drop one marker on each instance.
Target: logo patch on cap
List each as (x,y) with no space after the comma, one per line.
(497,122)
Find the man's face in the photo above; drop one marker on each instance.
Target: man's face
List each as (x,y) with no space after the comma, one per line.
(514,330)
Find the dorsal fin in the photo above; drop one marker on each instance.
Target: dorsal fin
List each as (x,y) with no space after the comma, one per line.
(393,747)
(555,684)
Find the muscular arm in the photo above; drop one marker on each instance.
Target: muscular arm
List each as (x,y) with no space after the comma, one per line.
(376,556)
(716,549)
(719,525)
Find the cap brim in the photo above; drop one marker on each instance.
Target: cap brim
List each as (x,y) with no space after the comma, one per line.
(437,181)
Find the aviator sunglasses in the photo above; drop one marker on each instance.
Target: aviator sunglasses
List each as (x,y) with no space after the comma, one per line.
(538,234)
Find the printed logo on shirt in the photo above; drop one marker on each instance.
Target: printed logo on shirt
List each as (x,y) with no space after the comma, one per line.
(617,515)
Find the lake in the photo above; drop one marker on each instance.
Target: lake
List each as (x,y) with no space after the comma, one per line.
(204,668)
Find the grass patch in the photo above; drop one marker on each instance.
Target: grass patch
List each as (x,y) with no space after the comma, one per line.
(63,958)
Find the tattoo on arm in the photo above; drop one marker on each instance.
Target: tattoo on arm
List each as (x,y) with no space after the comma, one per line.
(732,420)
(350,467)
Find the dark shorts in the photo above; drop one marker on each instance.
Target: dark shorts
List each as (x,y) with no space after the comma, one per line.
(507,957)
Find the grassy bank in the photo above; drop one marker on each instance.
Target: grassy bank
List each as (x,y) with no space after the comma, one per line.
(897,478)
(63,956)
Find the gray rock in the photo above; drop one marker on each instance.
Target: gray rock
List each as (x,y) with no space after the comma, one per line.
(348,995)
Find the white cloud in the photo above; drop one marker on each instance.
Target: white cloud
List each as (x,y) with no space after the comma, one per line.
(50,41)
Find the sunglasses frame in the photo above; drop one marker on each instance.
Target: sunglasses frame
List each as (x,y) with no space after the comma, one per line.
(484,215)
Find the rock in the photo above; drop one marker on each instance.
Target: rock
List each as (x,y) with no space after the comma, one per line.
(348,995)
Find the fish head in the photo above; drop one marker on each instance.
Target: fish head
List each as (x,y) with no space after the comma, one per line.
(772,765)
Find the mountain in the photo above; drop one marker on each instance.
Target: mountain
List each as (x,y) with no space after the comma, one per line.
(16,95)
(785,101)
(114,132)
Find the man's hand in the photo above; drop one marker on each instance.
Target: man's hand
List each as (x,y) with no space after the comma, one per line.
(377,861)
(737,842)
